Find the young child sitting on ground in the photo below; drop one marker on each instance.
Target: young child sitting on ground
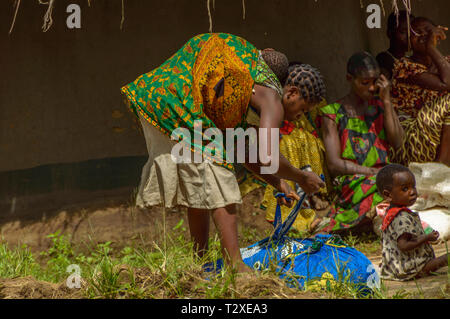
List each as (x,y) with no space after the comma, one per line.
(406,249)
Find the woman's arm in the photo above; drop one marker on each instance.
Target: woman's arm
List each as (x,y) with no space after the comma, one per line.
(271,113)
(392,126)
(336,165)
(432,81)
(269,105)
(276,182)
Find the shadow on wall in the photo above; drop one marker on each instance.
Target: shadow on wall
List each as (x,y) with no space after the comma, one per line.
(63,124)
(30,194)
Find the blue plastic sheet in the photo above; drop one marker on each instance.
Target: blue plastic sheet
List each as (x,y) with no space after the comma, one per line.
(324,259)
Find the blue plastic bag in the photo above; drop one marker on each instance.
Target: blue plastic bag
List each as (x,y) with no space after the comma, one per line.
(322,261)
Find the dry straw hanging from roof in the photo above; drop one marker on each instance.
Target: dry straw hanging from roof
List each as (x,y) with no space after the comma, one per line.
(214,8)
(406,3)
(48,21)
(48,17)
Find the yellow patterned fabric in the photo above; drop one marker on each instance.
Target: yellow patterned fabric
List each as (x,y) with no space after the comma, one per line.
(301,147)
(220,85)
(422,113)
(423,133)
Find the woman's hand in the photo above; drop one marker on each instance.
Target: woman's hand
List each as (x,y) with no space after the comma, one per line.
(311,183)
(434,36)
(289,192)
(385,88)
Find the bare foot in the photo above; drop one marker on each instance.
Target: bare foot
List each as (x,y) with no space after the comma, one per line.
(318,203)
(241,267)
(315,223)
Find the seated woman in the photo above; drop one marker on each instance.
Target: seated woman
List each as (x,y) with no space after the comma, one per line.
(357,131)
(421,94)
(397,32)
(300,144)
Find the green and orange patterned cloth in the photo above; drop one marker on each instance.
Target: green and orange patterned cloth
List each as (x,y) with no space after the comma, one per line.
(363,141)
(209,79)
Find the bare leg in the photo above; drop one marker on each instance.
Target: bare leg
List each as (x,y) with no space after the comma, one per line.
(434,265)
(444,148)
(199,227)
(225,219)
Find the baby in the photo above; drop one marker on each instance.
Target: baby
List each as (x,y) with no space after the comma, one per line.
(406,249)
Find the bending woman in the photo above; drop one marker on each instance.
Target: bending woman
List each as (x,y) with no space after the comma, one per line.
(300,144)
(357,131)
(421,94)
(213,78)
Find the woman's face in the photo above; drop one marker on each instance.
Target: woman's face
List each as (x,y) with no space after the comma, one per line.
(400,35)
(364,85)
(294,104)
(420,36)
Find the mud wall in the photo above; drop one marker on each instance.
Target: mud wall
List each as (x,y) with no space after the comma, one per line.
(62,119)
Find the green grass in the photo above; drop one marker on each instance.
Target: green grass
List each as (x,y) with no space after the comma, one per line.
(167,269)
(367,243)
(17,262)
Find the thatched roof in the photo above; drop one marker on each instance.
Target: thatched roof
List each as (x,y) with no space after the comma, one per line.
(48,21)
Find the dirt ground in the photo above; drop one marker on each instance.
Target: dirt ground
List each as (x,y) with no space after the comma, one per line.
(117,222)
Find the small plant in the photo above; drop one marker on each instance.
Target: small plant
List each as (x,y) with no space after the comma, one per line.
(249,235)
(351,240)
(18,262)
(105,280)
(60,255)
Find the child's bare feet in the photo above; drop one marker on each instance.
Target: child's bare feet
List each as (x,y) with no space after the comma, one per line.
(433,265)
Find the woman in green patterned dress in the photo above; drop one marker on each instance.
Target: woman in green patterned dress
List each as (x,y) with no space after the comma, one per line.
(213,78)
(357,131)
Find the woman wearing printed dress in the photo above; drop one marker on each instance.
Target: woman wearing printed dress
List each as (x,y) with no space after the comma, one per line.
(357,131)
(421,95)
(212,78)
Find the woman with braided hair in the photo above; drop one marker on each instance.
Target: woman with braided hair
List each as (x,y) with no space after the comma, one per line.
(213,78)
(357,132)
(301,145)
(299,142)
